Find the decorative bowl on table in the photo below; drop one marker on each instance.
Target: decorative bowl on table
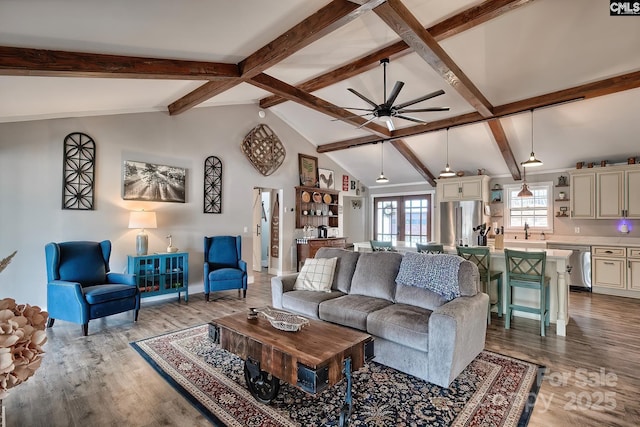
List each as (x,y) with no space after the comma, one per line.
(283,320)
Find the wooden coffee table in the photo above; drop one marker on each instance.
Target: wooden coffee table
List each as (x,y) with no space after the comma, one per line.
(318,356)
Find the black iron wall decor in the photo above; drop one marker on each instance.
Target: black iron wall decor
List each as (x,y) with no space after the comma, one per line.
(212,185)
(78,172)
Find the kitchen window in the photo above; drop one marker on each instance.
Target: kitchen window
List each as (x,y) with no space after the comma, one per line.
(403,218)
(536,211)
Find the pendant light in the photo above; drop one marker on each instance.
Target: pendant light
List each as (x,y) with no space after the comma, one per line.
(532,161)
(382,179)
(447,172)
(525,192)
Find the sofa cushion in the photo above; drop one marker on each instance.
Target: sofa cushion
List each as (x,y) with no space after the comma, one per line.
(403,324)
(419,297)
(316,275)
(468,279)
(306,302)
(345,266)
(351,310)
(375,275)
(436,272)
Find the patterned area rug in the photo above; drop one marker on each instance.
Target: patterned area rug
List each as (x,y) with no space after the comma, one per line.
(494,390)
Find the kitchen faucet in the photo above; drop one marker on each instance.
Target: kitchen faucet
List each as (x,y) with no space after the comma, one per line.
(526,231)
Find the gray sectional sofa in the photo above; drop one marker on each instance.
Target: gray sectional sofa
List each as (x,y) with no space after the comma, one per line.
(416,330)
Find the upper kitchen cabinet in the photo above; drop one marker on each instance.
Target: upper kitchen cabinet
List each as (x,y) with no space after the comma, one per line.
(463,188)
(615,190)
(605,193)
(610,194)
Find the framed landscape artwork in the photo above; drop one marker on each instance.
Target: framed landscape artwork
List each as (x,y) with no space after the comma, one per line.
(308,169)
(153,183)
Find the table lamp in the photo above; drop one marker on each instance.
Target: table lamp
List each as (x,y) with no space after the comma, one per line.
(142,220)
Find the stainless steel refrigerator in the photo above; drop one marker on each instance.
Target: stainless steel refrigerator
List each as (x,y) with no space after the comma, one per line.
(457,220)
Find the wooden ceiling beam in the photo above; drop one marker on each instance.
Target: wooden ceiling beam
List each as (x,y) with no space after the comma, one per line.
(15,61)
(301,97)
(332,16)
(505,149)
(458,23)
(201,94)
(402,21)
(414,161)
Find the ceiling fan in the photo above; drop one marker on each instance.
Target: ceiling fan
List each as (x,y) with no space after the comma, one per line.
(386,110)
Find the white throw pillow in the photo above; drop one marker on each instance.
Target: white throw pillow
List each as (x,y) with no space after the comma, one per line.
(316,275)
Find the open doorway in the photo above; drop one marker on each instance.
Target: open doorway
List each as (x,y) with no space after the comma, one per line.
(266,230)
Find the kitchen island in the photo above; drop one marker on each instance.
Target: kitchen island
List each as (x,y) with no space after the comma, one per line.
(556,270)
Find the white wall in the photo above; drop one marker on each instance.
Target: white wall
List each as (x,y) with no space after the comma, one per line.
(31,180)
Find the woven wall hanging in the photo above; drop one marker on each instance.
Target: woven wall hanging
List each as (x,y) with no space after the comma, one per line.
(212,185)
(78,171)
(263,149)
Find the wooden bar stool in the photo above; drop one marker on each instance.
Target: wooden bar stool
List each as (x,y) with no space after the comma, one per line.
(480,257)
(526,270)
(430,249)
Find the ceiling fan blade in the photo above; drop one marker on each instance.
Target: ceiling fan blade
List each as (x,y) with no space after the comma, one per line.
(367,122)
(422,98)
(413,119)
(364,98)
(394,93)
(349,117)
(422,110)
(351,108)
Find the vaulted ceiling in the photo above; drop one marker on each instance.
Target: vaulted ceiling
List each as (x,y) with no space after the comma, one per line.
(562,72)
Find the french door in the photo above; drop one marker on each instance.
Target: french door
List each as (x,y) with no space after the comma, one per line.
(402,218)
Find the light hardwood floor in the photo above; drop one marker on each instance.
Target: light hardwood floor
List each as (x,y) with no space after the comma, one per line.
(592,378)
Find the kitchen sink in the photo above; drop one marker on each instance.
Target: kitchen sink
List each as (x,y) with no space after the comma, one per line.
(524,243)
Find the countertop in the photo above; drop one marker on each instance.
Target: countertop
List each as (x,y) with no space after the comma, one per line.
(585,240)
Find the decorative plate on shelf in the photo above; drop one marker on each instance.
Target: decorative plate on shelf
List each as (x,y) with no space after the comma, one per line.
(317,197)
(327,198)
(306,197)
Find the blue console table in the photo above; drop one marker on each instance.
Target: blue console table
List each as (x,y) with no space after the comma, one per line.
(160,274)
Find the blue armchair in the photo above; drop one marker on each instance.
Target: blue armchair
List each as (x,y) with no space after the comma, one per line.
(223,268)
(80,286)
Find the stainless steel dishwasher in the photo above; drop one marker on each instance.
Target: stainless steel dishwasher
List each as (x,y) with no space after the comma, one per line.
(579,265)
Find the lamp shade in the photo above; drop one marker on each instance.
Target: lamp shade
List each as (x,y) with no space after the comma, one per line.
(142,219)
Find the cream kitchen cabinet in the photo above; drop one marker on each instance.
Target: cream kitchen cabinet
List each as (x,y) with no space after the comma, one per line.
(610,190)
(617,193)
(616,270)
(632,198)
(608,265)
(465,188)
(583,195)
(633,269)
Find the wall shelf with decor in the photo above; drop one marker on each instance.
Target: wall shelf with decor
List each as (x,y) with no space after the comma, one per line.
(316,206)
(160,274)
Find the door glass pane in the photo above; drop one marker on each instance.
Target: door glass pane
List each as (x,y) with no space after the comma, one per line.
(386,220)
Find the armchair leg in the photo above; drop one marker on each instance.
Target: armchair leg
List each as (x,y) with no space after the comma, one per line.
(206,297)
(85,329)
(50,322)
(135,317)
(244,293)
